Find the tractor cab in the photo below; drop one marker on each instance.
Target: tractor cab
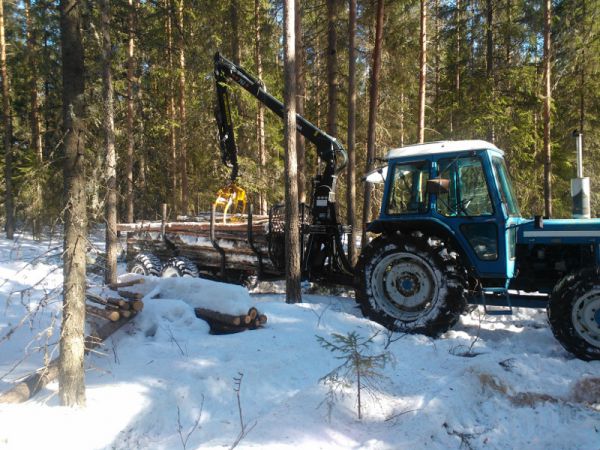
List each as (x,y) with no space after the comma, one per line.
(459,191)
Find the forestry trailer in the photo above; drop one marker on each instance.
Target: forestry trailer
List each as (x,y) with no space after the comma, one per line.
(449,234)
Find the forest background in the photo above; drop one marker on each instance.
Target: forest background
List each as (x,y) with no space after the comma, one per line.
(484,79)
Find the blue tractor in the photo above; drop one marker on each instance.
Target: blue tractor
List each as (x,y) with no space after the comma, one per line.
(450,234)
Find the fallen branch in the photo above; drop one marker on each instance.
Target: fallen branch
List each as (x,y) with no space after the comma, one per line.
(33,383)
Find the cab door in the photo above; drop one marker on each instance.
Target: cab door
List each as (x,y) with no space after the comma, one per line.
(473,212)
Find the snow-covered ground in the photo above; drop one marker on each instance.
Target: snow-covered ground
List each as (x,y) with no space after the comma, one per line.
(491,382)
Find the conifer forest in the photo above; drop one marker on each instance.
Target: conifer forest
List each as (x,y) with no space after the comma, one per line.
(522,74)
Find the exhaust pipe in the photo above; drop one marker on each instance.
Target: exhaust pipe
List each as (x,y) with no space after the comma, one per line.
(580,186)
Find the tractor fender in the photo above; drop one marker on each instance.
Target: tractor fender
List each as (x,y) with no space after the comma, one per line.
(429,227)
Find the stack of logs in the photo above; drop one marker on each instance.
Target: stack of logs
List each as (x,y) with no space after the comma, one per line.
(221,323)
(125,306)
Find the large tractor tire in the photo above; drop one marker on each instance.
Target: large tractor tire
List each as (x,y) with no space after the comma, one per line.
(179,266)
(574,313)
(145,264)
(411,284)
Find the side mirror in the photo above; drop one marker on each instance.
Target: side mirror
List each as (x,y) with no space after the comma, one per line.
(438,185)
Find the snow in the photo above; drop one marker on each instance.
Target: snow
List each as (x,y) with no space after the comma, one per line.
(518,388)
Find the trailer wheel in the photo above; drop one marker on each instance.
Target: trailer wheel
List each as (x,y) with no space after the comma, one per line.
(411,284)
(574,313)
(179,266)
(145,264)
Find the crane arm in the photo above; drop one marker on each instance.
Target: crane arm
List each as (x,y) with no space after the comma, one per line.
(329,150)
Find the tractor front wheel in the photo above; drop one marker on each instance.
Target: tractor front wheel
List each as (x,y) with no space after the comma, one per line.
(574,313)
(411,284)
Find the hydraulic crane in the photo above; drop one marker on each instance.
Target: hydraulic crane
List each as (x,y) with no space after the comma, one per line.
(323,256)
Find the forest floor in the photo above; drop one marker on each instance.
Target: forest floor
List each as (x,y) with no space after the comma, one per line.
(163,382)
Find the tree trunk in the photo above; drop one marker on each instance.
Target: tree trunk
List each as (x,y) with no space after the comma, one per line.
(351,171)
(292,230)
(547,106)
(71,373)
(182,110)
(422,72)
(7,122)
(489,63)
(34,117)
(507,35)
(130,114)
(331,67)
(456,104)
(582,79)
(373,100)
(260,113)
(300,99)
(110,274)
(236,53)
(437,65)
(171,110)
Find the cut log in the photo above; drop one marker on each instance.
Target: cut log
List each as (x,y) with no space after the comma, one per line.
(252,312)
(215,316)
(221,328)
(115,286)
(136,305)
(125,313)
(35,382)
(245,319)
(131,295)
(122,304)
(95,299)
(262,319)
(113,316)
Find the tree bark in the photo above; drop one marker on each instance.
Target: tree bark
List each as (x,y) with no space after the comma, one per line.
(260,113)
(182,111)
(236,53)
(7,123)
(422,72)
(292,231)
(373,100)
(110,274)
(351,171)
(300,99)
(34,115)
(331,67)
(171,110)
(547,107)
(457,97)
(130,113)
(71,373)
(437,64)
(490,60)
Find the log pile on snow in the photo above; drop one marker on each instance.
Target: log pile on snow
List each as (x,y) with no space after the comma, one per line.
(125,306)
(221,323)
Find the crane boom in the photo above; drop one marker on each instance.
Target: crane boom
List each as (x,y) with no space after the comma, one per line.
(324,234)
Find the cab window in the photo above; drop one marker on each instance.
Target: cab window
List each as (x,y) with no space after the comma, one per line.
(407,191)
(468,193)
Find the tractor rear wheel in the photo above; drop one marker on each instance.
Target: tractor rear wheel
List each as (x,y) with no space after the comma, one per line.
(574,313)
(411,284)
(179,266)
(145,264)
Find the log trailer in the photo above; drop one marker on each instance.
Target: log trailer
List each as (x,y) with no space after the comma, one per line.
(449,234)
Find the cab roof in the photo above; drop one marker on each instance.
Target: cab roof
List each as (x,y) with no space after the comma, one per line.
(441,147)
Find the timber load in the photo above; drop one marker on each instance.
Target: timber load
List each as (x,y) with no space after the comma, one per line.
(245,244)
